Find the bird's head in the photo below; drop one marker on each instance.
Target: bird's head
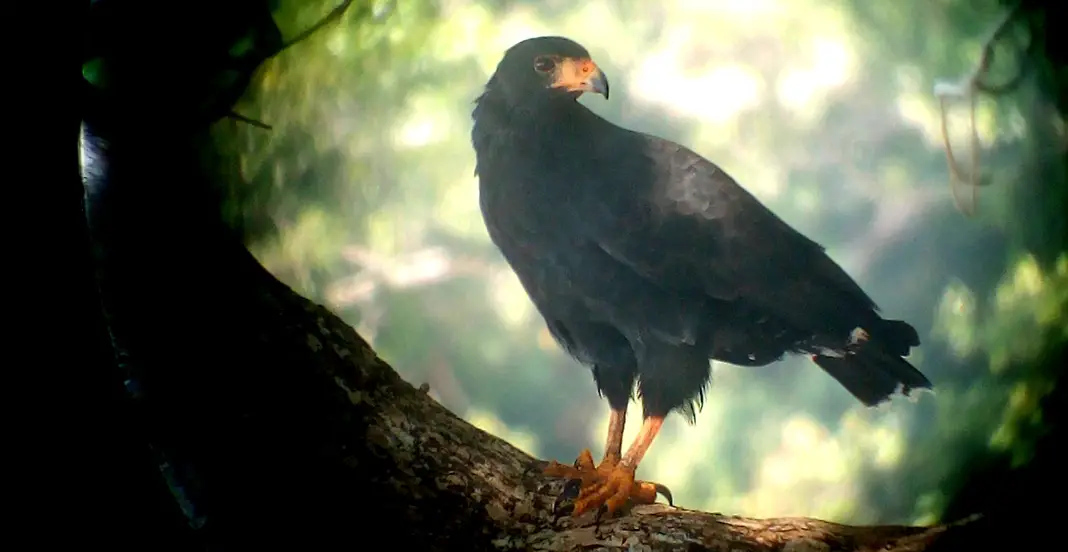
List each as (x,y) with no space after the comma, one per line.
(547,68)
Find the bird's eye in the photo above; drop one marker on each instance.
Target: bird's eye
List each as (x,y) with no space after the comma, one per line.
(544,64)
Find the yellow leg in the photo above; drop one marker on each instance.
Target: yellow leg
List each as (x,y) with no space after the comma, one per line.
(612,483)
(613,446)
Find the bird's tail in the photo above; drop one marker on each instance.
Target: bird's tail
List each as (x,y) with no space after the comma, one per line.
(872,368)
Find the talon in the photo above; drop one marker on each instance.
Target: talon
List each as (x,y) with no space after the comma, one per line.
(665,492)
(582,469)
(606,486)
(612,491)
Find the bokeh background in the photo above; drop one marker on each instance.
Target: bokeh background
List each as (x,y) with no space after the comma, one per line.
(363,198)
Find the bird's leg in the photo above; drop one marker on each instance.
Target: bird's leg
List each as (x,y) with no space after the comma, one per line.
(613,445)
(619,486)
(584,470)
(584,474)
(612,482)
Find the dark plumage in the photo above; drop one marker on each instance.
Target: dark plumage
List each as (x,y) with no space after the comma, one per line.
(647,260)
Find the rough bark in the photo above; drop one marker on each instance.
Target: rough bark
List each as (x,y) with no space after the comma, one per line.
(436,458)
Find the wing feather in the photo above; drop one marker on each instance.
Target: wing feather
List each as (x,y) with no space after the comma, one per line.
(681,222)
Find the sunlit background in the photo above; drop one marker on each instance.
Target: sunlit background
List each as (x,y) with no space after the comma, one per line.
(363,198)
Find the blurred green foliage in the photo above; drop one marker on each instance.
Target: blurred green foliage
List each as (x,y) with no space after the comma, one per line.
(362,197)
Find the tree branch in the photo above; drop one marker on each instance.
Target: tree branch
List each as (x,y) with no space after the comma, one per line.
(437,458)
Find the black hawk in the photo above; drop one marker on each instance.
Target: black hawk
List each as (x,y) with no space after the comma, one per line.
(646,260)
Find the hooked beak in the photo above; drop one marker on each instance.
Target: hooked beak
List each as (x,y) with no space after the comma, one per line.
(598,84)
(580,75)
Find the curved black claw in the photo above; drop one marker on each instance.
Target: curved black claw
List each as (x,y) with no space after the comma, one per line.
(660,489)
(565,501)
(665,492)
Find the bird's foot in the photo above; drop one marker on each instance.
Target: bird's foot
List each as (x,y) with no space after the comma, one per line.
(607,484)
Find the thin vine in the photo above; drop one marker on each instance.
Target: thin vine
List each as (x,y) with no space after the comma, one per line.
(977,82)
